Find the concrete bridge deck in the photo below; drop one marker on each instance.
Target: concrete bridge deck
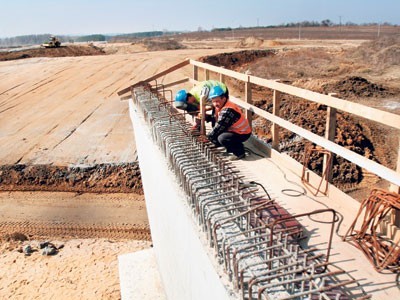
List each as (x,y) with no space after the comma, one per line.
(280,176)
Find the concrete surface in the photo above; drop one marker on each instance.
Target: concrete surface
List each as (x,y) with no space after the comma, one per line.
(187,267)
(139,276)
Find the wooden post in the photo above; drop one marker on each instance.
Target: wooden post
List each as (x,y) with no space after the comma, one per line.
(221,77)
(248,99)
(330,132)
(195,73)
(206,74)
(276,103)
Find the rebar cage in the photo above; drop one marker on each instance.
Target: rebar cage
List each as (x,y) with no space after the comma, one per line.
(257,242)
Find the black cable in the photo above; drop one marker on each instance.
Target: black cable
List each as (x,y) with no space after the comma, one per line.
(296,192)
(257,183)
(326,222)
(284,191)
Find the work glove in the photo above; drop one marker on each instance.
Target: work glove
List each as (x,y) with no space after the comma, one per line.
(204,93)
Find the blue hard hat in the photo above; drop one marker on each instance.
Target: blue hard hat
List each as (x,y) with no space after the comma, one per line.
(181,96)
(215,92)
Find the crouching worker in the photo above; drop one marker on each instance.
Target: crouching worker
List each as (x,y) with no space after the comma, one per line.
(190,101)
(232,128)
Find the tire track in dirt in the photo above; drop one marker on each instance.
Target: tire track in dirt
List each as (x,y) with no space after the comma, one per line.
(139,68)
(41,83)
(39,142)
(108,69)
(33,88)
(10,89)
(38,230)
(73,130)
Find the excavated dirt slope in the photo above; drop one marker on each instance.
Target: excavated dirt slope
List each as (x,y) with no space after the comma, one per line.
(71,50)
(101,178)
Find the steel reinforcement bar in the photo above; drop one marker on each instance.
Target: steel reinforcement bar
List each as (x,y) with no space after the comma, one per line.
(256,241)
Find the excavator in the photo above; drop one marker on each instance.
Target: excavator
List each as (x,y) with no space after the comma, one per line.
(52,43)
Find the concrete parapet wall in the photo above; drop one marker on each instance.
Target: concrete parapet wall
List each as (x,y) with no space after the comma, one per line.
(187,268)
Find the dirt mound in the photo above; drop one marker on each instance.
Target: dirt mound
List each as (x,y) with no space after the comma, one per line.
(250,42)
(273,43)
(109,178)
(236,59)
(311,116)
(63,51)
(382,52)
(160,45)
(355,87)
(350,87)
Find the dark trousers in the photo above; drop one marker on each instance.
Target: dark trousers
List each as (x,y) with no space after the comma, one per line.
(233,142)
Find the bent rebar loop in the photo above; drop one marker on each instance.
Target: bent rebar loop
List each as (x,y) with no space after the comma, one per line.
(213,190)
(181,150)
(202,203)
(171,136)
(206,178)
(201,170)
(318,211)
(182,157)
(231,218)
(257,234)
(246,252)
(302,261)
(211,199)
(312,280)
(222,204)
(258,254)
(164,137)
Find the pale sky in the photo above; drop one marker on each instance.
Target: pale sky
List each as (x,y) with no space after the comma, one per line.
(81,17)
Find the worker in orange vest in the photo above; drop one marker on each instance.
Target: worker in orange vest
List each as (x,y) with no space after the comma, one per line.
(232,129)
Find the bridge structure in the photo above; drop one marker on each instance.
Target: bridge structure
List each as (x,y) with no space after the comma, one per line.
(250,229)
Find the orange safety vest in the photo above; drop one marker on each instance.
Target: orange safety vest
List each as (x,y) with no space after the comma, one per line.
(242,125)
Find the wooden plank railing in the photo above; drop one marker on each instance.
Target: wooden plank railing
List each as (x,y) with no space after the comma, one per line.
(333,104)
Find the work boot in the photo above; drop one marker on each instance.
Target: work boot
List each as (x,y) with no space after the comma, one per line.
(234,157)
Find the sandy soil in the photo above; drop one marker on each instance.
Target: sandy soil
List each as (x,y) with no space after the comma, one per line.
(91,230)
(83,269)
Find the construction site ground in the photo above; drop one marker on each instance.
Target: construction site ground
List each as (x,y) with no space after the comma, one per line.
(63,112)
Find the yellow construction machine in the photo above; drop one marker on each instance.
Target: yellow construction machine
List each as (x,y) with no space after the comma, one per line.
(52,43)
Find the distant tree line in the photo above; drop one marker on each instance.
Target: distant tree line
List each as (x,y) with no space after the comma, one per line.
(141,35)
(33,39)
(323,23)
(91,38)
